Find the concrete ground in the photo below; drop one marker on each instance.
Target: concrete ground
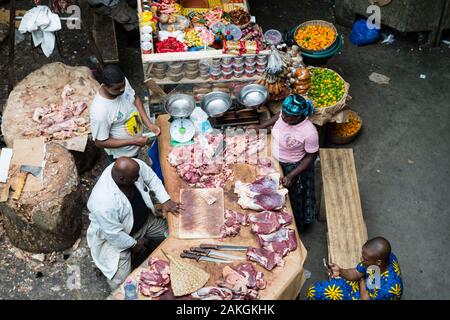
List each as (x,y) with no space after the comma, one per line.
(402,158)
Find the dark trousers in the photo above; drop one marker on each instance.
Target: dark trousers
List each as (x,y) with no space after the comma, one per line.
(302,194)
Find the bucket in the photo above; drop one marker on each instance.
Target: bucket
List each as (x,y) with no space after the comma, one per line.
(153,153)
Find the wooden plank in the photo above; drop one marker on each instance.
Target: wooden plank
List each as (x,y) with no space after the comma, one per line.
(104,34)
(347,231)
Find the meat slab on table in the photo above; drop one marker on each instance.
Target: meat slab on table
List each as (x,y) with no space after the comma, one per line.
(265,166)
(233,222)
(266,258)
(282,241)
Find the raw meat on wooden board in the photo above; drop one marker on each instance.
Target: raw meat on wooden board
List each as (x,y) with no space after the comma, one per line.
(282,241)
(266,258)
(199,220)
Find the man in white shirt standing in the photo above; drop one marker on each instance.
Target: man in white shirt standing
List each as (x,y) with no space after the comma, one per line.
(123,217)
(118,116)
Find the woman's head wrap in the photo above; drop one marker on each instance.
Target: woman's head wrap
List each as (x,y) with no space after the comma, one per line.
(296,105)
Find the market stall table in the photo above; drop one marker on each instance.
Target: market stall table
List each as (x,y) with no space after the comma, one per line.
(282,283)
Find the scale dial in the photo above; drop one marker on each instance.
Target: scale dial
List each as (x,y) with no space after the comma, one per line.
(182,130)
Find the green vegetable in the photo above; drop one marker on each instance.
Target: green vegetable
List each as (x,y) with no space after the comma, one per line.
(327,87)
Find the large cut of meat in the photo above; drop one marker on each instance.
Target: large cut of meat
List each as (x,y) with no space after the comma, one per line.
(153,283)
(196,165)
(265,166)
(266,258)
(266,222)
(60,121)
(282,241)
(262,194)
(233,222)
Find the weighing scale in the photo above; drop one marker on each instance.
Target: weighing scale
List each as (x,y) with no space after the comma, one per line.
(182,131)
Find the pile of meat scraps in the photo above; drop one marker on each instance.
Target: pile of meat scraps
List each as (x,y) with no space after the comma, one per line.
(243,147)
(60,121)
(196,163)
(242,282)
(233,222)
(263,194)
(154,282)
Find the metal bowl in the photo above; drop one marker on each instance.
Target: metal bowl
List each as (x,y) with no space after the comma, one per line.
(216,103)
(180,105)
(253,95)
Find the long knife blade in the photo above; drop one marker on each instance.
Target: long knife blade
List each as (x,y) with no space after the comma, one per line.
(218,254)
(223,247)
(213,253)
(199,257)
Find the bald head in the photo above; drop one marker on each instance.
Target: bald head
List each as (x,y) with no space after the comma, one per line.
(377,249)
(125,171)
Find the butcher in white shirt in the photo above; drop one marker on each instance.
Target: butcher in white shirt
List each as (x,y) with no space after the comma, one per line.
(123,217)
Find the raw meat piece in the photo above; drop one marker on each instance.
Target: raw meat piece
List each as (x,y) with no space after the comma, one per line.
(282,241)
(153,283)
(254,278)
(233,217)
(234,280)
(267,183)
(213,293)
(266,258)
(264,222)
(271,201)
(229,231)
(265,166)
(284,217)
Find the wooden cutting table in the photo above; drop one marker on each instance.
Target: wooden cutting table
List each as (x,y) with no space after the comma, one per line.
(282,283)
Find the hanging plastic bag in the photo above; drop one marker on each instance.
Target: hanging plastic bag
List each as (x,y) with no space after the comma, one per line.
(361,35)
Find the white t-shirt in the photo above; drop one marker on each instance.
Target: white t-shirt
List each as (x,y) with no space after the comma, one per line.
(117,119)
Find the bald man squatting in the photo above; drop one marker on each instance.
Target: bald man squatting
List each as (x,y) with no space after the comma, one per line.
(123,216)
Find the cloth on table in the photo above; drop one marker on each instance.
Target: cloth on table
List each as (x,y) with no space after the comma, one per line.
(390,288)
(302,194)
(42,24)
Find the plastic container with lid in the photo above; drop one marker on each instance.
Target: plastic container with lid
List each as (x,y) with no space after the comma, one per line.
(250,59)
(228,74)
(250,73)
(238,74)
(176,76)
(250,64)
(273,37)
(227,60)
(261,64)
(239,67)
(192,67)
(147,47)
(216,75)
(227,68)
(260,69)
(192,74)
(216,62)
(238,60)
(176,67)
(250,68)
(262,58)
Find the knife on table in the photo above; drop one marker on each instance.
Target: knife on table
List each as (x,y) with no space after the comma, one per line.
(223,247)
(198,258)
(215,254)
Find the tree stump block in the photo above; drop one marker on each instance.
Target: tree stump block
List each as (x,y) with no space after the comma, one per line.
(48,220)
(42,87)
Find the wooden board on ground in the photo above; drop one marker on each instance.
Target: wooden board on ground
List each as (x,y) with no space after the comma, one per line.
(199,219)
(282,283)
(104,34)
(347,231)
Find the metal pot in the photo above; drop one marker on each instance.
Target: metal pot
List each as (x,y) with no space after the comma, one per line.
(180,105)
(253,95)
(216,103)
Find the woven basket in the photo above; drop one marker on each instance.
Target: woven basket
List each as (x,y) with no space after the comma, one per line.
(316,23)
(337,139)
(324,115)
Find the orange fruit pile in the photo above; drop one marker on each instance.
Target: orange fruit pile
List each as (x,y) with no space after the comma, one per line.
(315,37)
